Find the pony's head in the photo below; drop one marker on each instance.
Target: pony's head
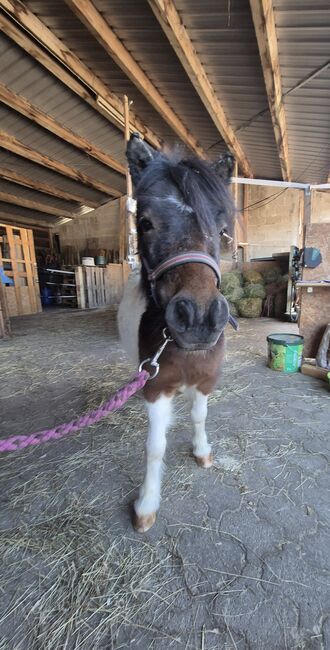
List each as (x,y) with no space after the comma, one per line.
(183,204)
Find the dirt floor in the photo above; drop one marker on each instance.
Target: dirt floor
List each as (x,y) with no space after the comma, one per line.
(239,556)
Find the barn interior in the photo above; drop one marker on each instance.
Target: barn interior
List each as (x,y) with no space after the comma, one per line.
(239,557)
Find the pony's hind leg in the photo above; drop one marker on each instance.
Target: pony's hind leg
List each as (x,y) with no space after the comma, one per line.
(147,504)
(201,447)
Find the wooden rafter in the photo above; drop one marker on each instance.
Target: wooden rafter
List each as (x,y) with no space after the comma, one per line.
(20,149)
(179,38)
(33,113)
(95,23)
(73,72)
(45,188)
(6,197)
(265,29)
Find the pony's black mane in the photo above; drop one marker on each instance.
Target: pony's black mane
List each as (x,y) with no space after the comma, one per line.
(197,182)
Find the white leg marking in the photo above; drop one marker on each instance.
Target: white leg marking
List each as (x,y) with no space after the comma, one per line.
(159,413)
(201,446)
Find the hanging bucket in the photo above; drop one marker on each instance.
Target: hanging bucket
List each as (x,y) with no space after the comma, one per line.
(285,352)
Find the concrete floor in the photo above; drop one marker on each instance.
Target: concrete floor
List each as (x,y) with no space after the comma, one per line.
(239,556)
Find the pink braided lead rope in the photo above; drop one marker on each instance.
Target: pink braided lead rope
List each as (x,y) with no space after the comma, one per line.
(117,400)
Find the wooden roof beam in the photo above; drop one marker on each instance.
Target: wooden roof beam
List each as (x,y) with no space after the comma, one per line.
(6,197)
(33,113)
(71,71)
(95,23)
(45,188)
(178,36)
(265,29)
(20,149)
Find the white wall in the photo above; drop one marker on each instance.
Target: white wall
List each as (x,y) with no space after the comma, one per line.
(97,229)
(274,224)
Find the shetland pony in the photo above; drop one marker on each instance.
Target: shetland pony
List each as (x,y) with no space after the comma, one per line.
(183,206)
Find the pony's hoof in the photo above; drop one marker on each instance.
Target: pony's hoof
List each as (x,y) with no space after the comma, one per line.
(204,461)
(142,523)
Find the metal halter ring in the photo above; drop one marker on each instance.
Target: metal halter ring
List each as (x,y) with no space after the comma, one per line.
(153,361)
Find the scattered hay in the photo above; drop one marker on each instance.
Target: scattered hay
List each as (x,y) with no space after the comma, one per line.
(79,589)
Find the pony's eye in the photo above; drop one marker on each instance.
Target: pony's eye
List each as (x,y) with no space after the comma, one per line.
(145,225)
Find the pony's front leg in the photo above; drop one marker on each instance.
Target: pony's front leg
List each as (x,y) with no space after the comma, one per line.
(146,506)
(201,447)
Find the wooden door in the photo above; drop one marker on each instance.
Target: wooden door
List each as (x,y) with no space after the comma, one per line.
(17,258)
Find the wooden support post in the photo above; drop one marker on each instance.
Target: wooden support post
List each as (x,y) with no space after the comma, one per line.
(126,119)
(235,234)
(130,215)
(5,330)
(80,288)
(122,229)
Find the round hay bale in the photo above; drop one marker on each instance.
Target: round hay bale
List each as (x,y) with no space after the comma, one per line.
(229,281)
(232,309)
(238,275)
(235,294)
(254,291)
(249,307)
(271,275)
(252,277)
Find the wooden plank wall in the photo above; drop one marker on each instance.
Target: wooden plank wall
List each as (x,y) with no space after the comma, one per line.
(315,305)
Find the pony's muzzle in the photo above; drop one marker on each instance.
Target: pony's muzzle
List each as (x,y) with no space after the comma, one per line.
(194,327)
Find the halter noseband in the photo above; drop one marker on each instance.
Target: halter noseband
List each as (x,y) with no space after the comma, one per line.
(178,260)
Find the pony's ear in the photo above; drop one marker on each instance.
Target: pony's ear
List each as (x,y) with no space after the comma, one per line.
(225,167)
(139,154)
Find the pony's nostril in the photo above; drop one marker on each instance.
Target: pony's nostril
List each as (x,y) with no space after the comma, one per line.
(214,314)
(184,315)
(218,313)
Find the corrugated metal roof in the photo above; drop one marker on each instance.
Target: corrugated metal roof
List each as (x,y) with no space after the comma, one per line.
(135,25)
(20,192)
(24,76)
(303,32)
(15,213)
(223,36)
(32,170)
(42,141)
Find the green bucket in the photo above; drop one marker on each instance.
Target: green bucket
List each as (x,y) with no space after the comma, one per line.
(285,352)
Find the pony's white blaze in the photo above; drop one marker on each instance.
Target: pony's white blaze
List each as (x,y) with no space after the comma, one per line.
(131,308)
(159,413)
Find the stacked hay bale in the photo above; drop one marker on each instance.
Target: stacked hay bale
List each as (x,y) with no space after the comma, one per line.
(250,306)
(251,294)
